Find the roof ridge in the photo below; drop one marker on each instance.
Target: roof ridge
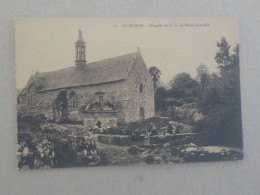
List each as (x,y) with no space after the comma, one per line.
(111,58)
(89,63)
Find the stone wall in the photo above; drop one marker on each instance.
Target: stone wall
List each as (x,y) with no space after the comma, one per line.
(45,101)
(43,104)
(107,120)
(139,74)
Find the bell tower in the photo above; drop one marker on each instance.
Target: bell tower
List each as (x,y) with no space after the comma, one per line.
(80,48)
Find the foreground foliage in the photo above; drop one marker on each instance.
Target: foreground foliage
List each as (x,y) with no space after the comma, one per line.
(41,145)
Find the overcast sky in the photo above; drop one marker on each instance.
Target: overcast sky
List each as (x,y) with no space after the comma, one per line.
(174,45)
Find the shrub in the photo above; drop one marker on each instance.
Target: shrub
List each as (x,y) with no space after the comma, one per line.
(48,147)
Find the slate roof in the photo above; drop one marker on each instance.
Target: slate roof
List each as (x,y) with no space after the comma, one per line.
(104,71)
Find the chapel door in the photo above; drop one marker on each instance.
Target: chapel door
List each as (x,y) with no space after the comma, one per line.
(141,113)
(61,106)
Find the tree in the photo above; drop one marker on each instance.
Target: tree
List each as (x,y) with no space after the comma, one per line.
(155,74)
(229,72)
(222,56)
(220,100)
(235,56)
(182,85)
(209,92)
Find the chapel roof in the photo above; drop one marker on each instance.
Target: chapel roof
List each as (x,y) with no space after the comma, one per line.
(103,71)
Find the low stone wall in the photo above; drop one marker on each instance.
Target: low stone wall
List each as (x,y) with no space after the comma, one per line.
(157,139)
(107,119)
(127,140)
(120,140)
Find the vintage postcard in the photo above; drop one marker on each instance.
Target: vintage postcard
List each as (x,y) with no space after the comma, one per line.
(127,91)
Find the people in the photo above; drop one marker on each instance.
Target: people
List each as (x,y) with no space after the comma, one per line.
(137,134)
(170,128)
(99,124)
(178,129)
(153,129)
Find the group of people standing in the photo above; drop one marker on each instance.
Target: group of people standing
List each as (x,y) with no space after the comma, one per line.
(171,130)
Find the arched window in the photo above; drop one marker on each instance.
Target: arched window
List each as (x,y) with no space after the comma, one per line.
(73,101)
(141,88)
(31,96)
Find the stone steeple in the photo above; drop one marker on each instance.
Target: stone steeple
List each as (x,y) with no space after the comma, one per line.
(80,48)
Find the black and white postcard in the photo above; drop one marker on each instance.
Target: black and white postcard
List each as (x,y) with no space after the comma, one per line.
(127,91)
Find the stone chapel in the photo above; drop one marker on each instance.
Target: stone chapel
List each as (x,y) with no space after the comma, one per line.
(103,93)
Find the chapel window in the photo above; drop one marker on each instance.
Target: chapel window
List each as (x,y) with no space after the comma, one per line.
(101,101)
(141,88)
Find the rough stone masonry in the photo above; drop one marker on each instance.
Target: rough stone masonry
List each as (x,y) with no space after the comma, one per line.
(122,84)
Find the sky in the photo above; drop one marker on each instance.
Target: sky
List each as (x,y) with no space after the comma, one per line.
(173,45)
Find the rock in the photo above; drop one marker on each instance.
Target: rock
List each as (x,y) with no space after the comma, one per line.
(192,145)
(89,157)
(166,145)
(92,164)
(85,152)
(93,152)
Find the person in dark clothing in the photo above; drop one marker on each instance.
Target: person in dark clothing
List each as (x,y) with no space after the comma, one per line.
(178,129)
(153,130)
(170,128)
(137,135)
(99,124)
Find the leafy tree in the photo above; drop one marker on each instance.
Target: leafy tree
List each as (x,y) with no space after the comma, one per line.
(219,100)
(161,92)
(182,85)
(203,78)
(223,57)
(155,74)
(235,56)
(160,98)
(208,92)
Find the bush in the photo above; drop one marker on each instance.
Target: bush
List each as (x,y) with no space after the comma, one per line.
(48,147)
(25,151)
